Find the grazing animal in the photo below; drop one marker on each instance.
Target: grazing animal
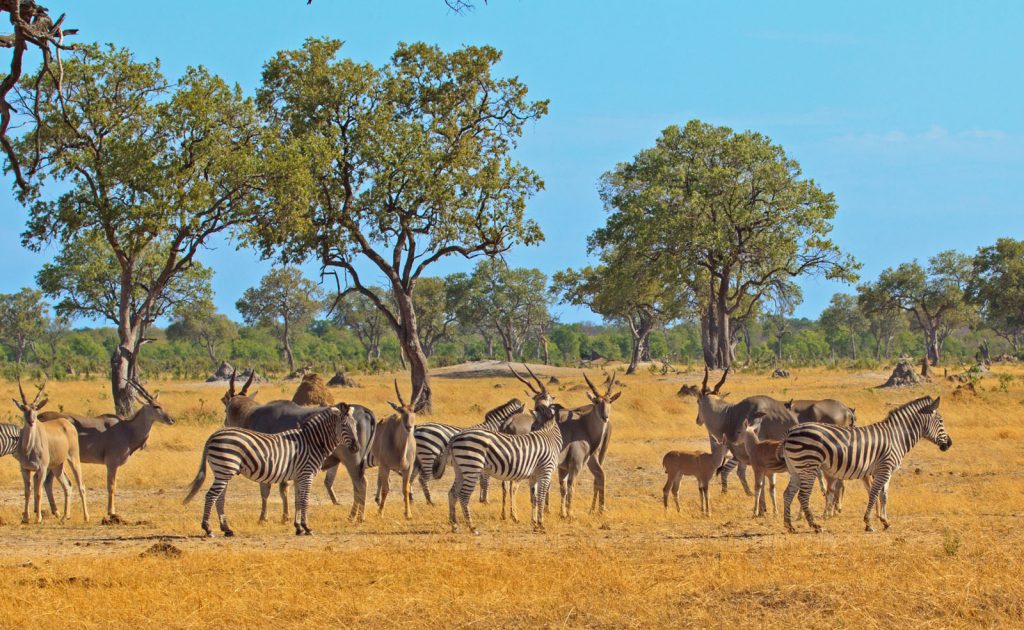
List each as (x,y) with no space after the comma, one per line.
(876,450)
(110,441)
(433,437)
(827,411)
(765,457)
(703,466)
(394,449)
(586,432)
(723,421)
(294,455)
(242,411)
(46,447)
(531,456)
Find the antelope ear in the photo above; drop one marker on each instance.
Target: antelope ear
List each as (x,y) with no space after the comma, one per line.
(789,405)
(17,404)
(591,397)
(395,407)
(615,397)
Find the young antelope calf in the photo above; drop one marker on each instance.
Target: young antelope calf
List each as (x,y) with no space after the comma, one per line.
(703,466)
(766,460)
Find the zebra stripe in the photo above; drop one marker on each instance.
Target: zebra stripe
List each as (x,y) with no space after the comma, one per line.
(296,454)
(874,451)
(9,435)
(478,453)
(433,437)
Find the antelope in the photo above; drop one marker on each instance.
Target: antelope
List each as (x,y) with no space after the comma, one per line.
(586,432)
(703,466)
(765,458)
(242,410)
(110,441)
(723,421)
(394,449)
(47,446)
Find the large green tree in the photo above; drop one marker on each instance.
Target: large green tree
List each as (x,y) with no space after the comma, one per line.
(284,300)
(23,321)
(728,215)
(997,287)
(396,168)
(935,296)
(884,318)
(841,321)
(435,301)
(140,172)
(200,323)
(360,315)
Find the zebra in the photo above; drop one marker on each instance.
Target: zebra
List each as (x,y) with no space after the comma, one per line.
(296,455)
(9,436)
(477,453)
(843,453)
(433,437)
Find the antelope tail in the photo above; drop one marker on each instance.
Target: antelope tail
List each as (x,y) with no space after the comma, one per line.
(197,483)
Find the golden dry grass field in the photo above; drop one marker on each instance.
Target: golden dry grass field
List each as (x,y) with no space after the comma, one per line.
(952,558)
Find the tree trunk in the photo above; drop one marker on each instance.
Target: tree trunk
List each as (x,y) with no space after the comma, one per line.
(122,370)
(544,349)
(641,343)
(210,351)
(409,339)
(933,348)
(288,347)
(853,346)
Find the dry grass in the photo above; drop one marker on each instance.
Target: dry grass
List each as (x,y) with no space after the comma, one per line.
(952,557)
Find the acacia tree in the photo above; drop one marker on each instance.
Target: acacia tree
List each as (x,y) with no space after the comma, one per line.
(729,216)
(935,296)
(364,319)
(511,304)
(285,301)
(884,319)
(396,167)
(840,320)
(997,287)
(143,173)
(200,323)
(777,319)
(622,290)
(23,321)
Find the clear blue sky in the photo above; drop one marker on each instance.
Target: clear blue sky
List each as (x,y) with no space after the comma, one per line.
(911,112)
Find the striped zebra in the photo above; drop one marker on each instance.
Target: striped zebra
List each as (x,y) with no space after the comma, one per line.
(875,450)
(9,436)
(478,453)
(433,437)
(294,455)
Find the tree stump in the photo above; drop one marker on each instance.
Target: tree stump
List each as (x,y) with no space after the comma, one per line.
(903,375)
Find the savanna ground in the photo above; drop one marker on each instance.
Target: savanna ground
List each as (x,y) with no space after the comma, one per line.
(952,558)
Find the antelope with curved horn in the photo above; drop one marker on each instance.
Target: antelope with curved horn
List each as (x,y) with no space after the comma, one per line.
(47,446)
(394,449)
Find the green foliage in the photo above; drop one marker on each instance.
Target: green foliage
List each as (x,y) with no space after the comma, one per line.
(23,321)
(997,287)
(285,301)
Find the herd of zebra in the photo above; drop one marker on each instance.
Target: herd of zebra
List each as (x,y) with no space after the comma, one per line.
(281,442)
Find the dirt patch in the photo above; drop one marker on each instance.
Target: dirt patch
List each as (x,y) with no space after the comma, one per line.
(497,369)
(162,549)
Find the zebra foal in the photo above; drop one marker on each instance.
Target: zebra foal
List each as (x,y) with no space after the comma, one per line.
(296,455)
(477,453)
(874,451)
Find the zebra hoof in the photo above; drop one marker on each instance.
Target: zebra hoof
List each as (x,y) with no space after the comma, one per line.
(869,528)
(476,532)
(455,529)
(228,533)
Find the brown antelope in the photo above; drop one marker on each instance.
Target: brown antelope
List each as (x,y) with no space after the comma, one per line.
(586,432)
(394,449)
(702,466)
(110,441)
(47,446)
(765,457)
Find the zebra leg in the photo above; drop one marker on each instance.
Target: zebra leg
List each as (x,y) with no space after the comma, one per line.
(540,494)
(598,471)
(453,495)
(424,476)
(883,500)
(821,481)
(787,501)
(806,487)
(264,495)
(724,472)
(469,480)
(302,488)
(329,477)
(283,489)
(741,472)
(221,514)
(484,489)
(878,486)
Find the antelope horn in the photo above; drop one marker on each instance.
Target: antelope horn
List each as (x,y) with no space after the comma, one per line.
(142,390)
(523,380)
(718,386)
(400,401)
(704,386)
(592,388)
(245,388)
(611,383)
(39,394)
(21,391)
(542,388)
(231,383)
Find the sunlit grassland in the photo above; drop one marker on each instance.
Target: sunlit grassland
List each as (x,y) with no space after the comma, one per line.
(953,556)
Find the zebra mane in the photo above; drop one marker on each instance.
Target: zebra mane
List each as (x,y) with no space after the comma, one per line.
(316,417)
(910,407)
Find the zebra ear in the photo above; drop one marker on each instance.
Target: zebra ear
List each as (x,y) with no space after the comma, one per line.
(932,408)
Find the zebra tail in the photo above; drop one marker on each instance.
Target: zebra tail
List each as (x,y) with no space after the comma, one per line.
(441,461)
(197,483)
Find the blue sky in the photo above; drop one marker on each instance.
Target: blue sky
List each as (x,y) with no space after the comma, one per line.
(910,112)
